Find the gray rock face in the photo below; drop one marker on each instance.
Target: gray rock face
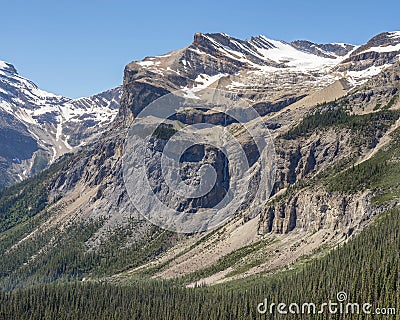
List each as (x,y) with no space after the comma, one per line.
(140,90)
(327,50)
(190,163)
(313,210)
(16,145)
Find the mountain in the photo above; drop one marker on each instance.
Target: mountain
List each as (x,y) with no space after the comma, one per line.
(250,66)
(333,114)
(37,127)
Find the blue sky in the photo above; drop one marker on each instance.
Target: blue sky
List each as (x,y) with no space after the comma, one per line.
(77,48)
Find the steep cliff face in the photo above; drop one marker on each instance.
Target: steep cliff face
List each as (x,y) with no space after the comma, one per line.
(301,202)
(312,210)
(140,89)
(17,147)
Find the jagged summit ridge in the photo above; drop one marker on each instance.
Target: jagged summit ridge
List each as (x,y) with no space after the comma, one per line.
(327,50)
(7,67)
(263,51)
(259,64)
(212,57)
(228,55)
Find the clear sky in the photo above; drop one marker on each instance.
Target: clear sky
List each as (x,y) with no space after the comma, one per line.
(78,48)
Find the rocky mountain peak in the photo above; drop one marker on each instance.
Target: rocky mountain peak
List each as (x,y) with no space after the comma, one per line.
(383,42)
(263,42)
(199,39)
(326,50)
(7,67)
(220,59)
(222,44)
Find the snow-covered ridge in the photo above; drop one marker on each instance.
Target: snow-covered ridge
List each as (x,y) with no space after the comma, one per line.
(262,51)
(395,34)
(261,63)
(382,43)
(293,58)
(258,53)
(389,48)
(6,67)
(17,92)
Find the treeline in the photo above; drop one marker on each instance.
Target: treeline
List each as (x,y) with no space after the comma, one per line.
(380,173)
(367,269)
(68,258)
(368,125)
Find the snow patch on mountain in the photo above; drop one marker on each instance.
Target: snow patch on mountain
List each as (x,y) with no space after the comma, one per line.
(302,61)
(384,48)
(394,34)
(359,77)
(202,81)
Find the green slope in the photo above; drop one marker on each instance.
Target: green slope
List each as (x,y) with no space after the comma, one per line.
(367,269)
